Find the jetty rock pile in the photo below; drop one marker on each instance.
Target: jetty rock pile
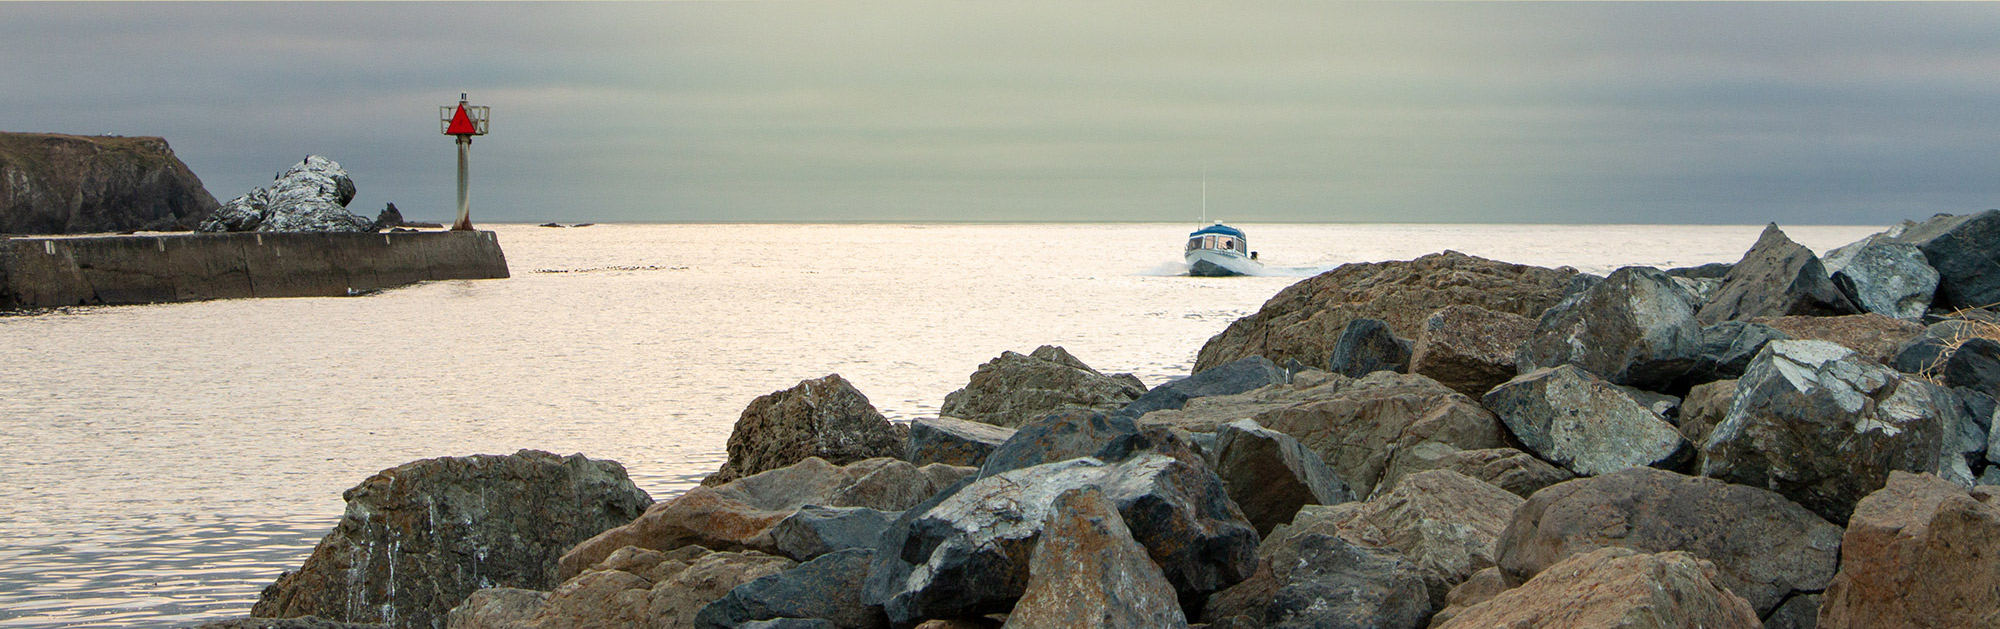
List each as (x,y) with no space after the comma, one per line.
(1779,442)
(311,196)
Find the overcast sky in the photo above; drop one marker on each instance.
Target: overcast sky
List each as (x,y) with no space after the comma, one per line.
(844,111)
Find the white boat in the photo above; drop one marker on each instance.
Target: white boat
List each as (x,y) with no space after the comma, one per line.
(1219,250)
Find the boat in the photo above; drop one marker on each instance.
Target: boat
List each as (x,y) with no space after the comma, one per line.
(1219,250)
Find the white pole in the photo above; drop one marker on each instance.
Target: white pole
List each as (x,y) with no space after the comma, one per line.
(1204,197)
(464,222)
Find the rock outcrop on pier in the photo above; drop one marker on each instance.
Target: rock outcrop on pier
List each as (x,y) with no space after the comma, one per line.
(311,196)
(73,184)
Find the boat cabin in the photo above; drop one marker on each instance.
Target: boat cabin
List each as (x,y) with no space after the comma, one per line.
(1218,236)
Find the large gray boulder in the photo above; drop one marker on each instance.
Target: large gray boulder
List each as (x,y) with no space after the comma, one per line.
(1635,328)
(1765,548)
(1322,581)
(1469,348)
(1444,522)
(1087,571)
(825,418)
(311,196)
(1961,249)
(1359,428)
(1726,350)
(1974,365)
(1776,277)
(814,530)
(1574,419)
(418,538)
(1243,375)
(1884,277)
(952,441)
(1057,437)
(1367,346)
(827,588)
(967,553)
(1015,389)
(1822,426)
(1304,321)
(1270,475)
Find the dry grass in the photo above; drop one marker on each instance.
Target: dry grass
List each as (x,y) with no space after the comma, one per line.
(1974,328)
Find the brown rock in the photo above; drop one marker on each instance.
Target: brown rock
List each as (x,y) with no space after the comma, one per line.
(1469,348)
(1872,335)
(825,418)
(1443,521)
(1765,547)
(1209,414)
(498,608)
(1087,572)
(1304,321)
(741,514)
(419,538)
(1705,406)
(1517,472)
(305,622)
(1359,428)
(1920,552)
(1482,586)
(1013,389)
(1615,588)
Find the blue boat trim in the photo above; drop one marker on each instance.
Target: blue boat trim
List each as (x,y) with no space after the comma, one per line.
(1217,229)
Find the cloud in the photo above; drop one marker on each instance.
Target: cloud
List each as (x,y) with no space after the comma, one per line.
(1054,111)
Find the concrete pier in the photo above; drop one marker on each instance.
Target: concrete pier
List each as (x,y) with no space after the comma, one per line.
(45,272)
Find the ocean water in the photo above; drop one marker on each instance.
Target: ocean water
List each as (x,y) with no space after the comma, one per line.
(161,464)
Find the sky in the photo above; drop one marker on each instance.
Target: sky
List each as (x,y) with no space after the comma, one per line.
(1492,112)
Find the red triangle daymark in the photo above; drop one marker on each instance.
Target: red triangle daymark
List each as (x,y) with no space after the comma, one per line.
(461,124)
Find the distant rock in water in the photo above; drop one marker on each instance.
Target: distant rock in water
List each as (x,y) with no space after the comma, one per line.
(70,184)
(311,196)
(391,218)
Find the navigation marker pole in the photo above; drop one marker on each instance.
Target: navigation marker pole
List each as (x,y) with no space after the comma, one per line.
(462,123)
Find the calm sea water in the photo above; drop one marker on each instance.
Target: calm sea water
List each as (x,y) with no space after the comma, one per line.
(161,464)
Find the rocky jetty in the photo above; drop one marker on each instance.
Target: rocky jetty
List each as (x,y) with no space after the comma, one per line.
(311,196)
(72,184)
(1650,456)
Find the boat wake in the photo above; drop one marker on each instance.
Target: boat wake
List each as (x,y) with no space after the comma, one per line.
(1175,268)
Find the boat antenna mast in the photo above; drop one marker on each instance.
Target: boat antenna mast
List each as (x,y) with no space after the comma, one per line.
(1204,196)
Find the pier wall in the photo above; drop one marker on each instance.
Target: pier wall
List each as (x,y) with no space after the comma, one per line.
(62,271)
